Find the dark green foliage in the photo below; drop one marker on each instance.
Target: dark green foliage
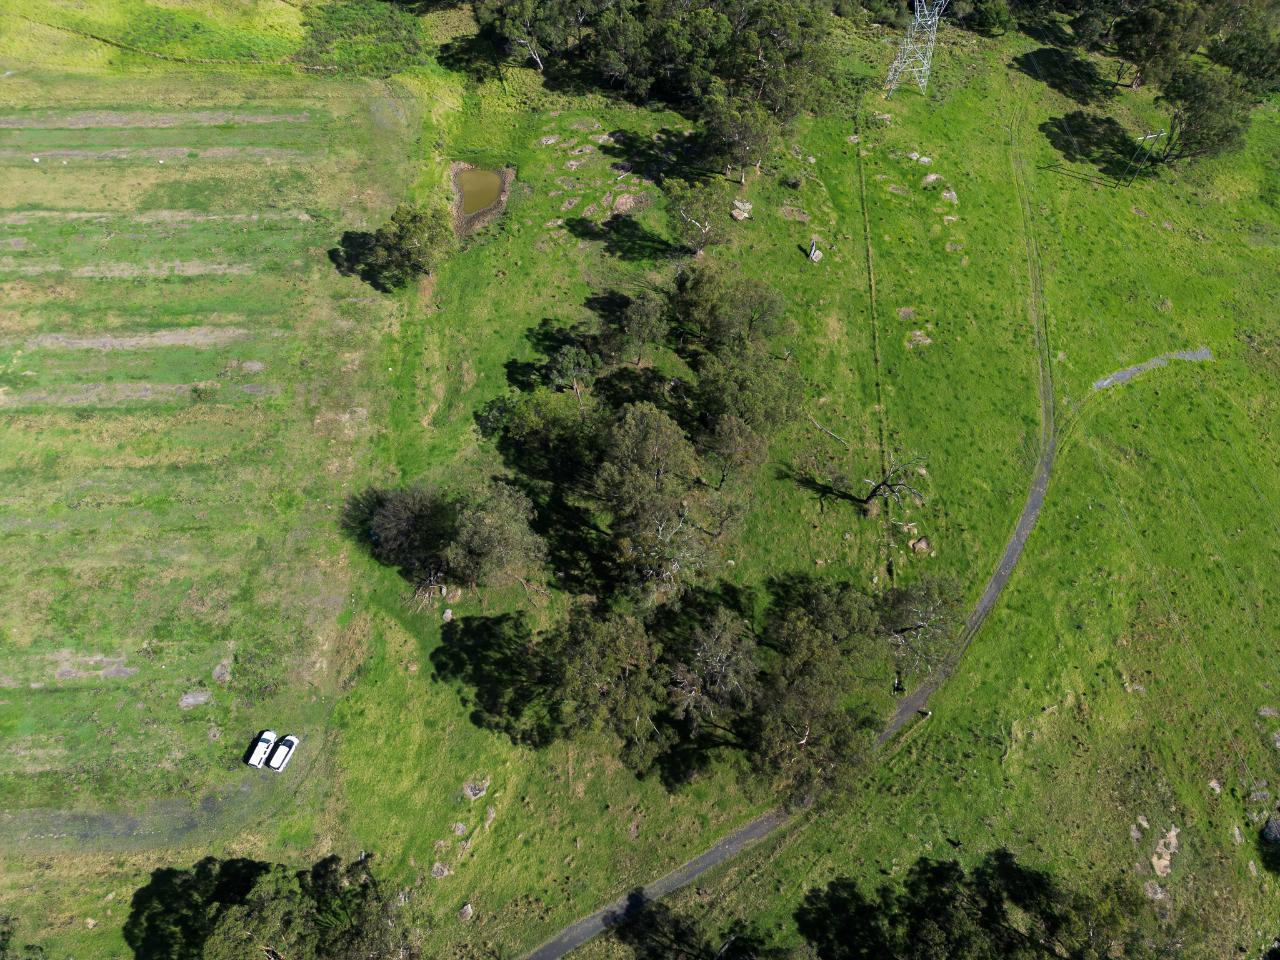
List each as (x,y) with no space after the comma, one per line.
(732,448)
(1001,910)
(546,433)
(611,678)
(365,37)
(1209,112)
(698,211)
(807,736)
(642,323)
(983,16)
(715,673)
(1250,48)
(402,249)
(410,529)
(232,909)
(757,387)
(1154,36)
(493,542)
(724,311)
(748,67)
(12,951)
(653,931)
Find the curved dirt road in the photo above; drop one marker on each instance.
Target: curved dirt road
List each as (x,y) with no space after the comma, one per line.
(583,930)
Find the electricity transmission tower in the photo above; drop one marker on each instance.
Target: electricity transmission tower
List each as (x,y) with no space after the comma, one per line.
(915,56)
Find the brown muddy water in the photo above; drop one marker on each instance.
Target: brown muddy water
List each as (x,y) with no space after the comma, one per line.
(480,190)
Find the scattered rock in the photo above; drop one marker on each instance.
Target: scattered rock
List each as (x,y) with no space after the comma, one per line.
(549,140)
(794,213)
(194,698)
(1236,836)
(253,366)
(1139,211)
(489,814)
(222,672)
(570,203)
(1259,796)
(90,922)
(439,871)
(627,202)
(919,544)
(1268,712)
(1153,891)
(950,195)
(475,789)
(466,912)
(906,313)
(1253,869)
(949,219)
(953,247)
(913,155)
(1271,830)
(884,118)
(742,205)
(1143,822)
(812,159)
(853,138)
(1167,846)
(930,179)
(459,829)
(918,338)
(580,151)
(448,615)
(816,256)
(738,215)
(1215,786)
(1275,739)
(900,191)
(926,160)
(1134,833)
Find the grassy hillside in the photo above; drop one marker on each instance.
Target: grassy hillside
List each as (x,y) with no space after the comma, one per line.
(190,391)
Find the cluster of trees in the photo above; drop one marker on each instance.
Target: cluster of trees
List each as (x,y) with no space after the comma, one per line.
(238,908)
(999,910)
(402,249)
(745,68)
(632,447)
(1210,59)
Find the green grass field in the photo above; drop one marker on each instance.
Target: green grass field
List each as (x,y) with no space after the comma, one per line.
(190,391)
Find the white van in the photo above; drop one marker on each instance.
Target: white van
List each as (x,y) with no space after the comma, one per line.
(281,753)
(261,748)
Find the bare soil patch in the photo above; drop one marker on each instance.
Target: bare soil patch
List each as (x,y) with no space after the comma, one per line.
(101,119)
(180,337)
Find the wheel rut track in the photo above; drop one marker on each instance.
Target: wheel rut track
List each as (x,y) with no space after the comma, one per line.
(770,823)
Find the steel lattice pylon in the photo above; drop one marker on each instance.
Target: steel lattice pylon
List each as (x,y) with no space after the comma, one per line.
(915,56)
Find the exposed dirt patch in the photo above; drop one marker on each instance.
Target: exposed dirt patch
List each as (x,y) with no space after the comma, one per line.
(101,394)
(69,666)
(159,153)
(906,313)
(1166,847)
(102,119)
(918,338)
(629,203)
(17,243)
(464,225)
(194,698)
(899,190)
(794,213)
(930,179)
(950,196)
(180,337)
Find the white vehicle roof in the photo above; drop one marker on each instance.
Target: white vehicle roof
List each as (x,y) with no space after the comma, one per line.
(261,747)
(281,753)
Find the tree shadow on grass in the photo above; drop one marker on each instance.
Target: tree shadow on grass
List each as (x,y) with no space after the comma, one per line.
(1083,137)
(477,57)
(1067,72)
(171,917)
(668,153)
(514,682)
(1269,855)
(1048,30)
(624,237)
